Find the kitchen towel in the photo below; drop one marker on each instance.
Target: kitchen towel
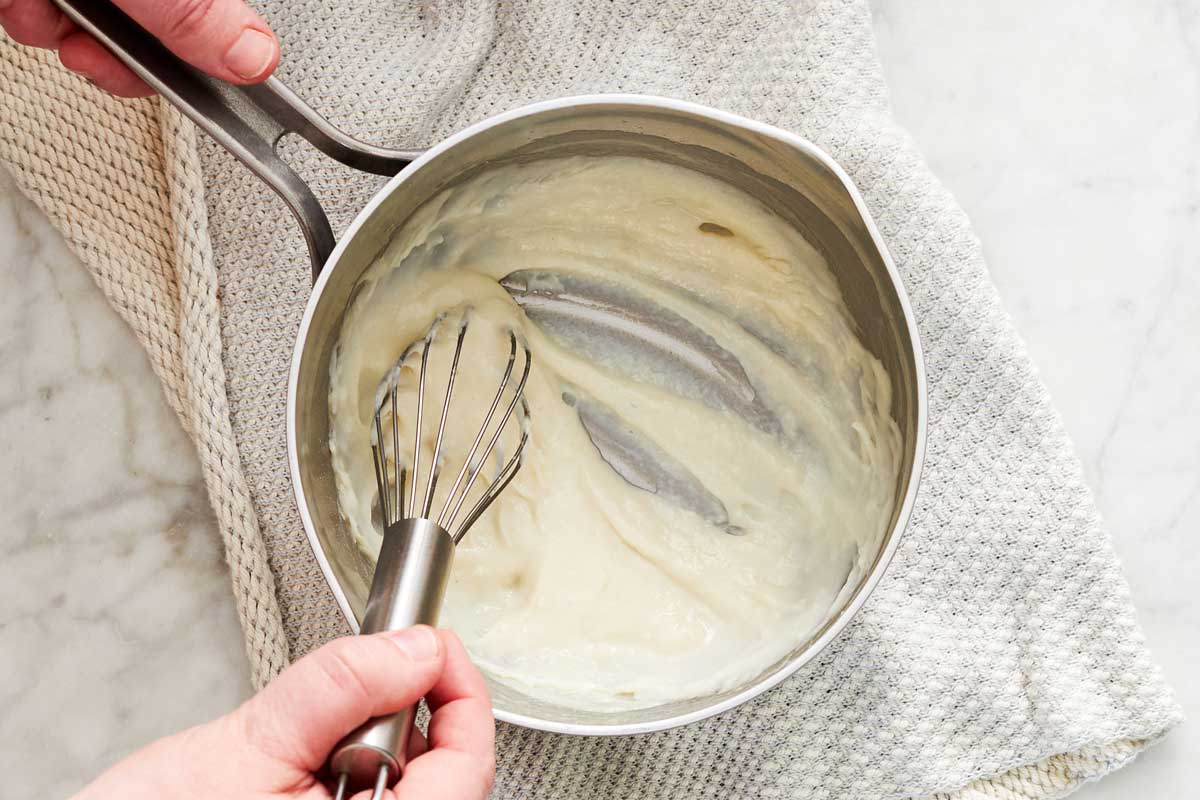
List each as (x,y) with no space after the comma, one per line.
(999,656)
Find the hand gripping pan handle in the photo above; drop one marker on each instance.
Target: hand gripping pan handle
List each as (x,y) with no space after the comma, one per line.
(248,121)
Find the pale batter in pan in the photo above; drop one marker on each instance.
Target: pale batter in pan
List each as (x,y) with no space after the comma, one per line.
(763,456)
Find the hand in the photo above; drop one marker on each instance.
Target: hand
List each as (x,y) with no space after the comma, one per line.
(222,37)
(269,748)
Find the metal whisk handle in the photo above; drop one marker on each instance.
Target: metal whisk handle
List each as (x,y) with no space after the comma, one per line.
(409,585)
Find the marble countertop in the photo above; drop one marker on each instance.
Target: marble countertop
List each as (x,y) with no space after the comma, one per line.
(1072,140)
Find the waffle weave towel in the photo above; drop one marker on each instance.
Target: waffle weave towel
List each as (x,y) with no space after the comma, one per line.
(999,656)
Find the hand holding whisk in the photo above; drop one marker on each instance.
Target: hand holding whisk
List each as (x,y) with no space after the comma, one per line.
(414,561)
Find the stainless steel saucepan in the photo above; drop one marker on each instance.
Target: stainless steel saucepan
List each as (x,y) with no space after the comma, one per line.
(790,175)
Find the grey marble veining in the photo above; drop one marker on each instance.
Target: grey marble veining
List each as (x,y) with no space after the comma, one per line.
(117,624)
(1071,136)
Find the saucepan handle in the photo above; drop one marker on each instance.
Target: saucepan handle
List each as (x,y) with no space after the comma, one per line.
(248,121)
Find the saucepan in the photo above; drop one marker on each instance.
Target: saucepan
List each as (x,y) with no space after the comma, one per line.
(791,176)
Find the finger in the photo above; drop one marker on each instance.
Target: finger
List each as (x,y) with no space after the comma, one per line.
(447,775)
(37,23)
(461,706)
(461,761)
(81,53)
(304,712)
(222,37)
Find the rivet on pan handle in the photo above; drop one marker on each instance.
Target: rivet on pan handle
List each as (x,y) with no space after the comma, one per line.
(248,121)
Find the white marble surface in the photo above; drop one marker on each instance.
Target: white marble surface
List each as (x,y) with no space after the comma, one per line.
(117,623)
(1071,136)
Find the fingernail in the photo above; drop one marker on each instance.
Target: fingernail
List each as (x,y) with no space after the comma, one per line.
(250,55)
(421,643)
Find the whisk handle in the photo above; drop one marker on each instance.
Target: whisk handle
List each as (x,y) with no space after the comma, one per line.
(409,584)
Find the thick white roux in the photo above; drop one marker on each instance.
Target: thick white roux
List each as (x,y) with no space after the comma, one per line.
(577,587)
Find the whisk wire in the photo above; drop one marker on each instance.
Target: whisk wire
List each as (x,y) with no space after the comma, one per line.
(518,395)
(436,468)
(399,504)
(502,480)
(342,783)
(381,477)
(487,420)
(416,468)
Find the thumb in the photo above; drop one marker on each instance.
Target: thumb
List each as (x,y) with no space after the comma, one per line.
(222,37)
(301,715)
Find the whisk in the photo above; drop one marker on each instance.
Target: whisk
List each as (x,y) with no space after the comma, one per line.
(418,547)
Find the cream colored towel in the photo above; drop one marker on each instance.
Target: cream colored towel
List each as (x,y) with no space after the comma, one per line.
(998,658)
